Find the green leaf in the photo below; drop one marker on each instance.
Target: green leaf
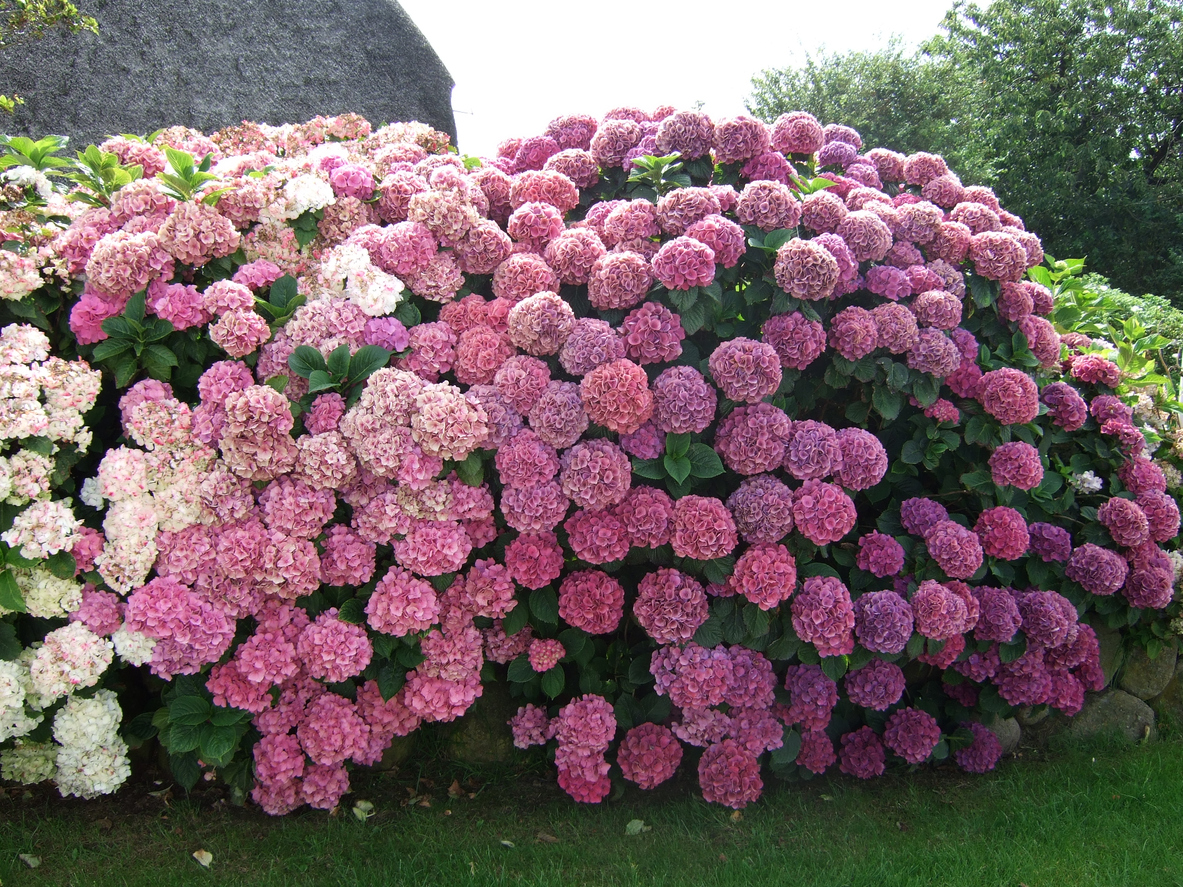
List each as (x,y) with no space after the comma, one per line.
(784,647)
(553,681)
(684,300)
(544,605)
(160,355)
(368,360)
(516,619)
(305,360)
(352,611)
(110,348)
(140,729)
(677,444)
(925,389)
(10,647)
(1012,651)
(218,743)
(651,469)
(319,380)
(134,310)
(790,748)
(887,403)
(912,452)
(471,470)
(183,737)
(10,593)
(338,362)
(718,569)
(834,667)
(407,314)
(638,670)
(677,467)
(756,620)
(283,291)
(62,565)
(190,711)
(185,768)
(520,670)
(774,240)
(710,633)
(223,717)
(704,461)
(693,319)
(390,681)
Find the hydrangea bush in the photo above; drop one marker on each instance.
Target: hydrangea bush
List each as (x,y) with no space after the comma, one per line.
(728,446)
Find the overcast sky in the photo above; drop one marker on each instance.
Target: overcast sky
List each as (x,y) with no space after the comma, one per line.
(518,65)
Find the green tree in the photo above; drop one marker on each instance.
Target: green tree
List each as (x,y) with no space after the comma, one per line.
(1072,110)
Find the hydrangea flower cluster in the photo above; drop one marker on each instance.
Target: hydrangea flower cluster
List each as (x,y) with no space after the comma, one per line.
(601,411)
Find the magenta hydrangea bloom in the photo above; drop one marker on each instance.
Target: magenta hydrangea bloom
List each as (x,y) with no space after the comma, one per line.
(878,685)
(531,726)
(867,236)
(595,474)
(692,676)
(812,696)
(862,754)
(813,451)
(558,416)
(702,528)
(864,460)
(1016,464)
(805,270)
(683,263)
(1162,514)
(957,550)
(617,395)
(652,334)
(824,616)
(752,439)
(684,401)
(765,574)
(822,512)
(762,507)
(745,370)
(1050,542)
(912,734)
(882,621)
(938,612)
(798,341)
(332,650)
(540,324)
(1003,533)
(854,333)
(591,600)
(769,206)
(880,554)
(999,616)
(919,515)
(596,537)
(690,133)
(534,559)
(1141,475)
(729,774)
(1065,405)
(591,343)
(797,133)
(723,236)
(1125,521)
(981,755)
(670,606)
(649,754)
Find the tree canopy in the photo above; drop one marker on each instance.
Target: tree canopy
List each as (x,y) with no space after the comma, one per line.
(1072,110)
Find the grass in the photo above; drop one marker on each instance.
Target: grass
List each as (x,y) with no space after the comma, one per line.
(1099,816)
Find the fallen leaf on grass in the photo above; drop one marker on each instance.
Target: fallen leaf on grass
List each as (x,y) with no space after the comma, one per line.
(636,826)
(737,816)
(204,857)
(363,810)
(472,867)
(454,790)
(544,838)
(31,861)
(508,844)
(105,824)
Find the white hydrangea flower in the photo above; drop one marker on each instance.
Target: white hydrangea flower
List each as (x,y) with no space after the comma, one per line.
(91,495)
(1172,474)
(1176,564)
(14,722)
(305,193)
(88,723)
(90,772)
(27,177)
(72,657)
(47,596)
(376,292)
(44,528)
(13,676)
(1086,482)
(133,647)
(29,762)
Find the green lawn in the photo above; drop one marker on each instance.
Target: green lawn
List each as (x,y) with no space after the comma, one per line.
(1081,817)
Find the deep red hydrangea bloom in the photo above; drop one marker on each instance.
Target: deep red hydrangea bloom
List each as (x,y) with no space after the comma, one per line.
(817,751)
(823,616)
(765,574)
(534,559)
(1003,533)
(591,600)
(878,685)
(862,754)
(822,512)
(912,734)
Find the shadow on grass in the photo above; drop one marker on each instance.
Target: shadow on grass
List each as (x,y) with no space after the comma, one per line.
(1085,815)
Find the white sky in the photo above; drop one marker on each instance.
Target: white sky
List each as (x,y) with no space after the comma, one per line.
(518,65)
